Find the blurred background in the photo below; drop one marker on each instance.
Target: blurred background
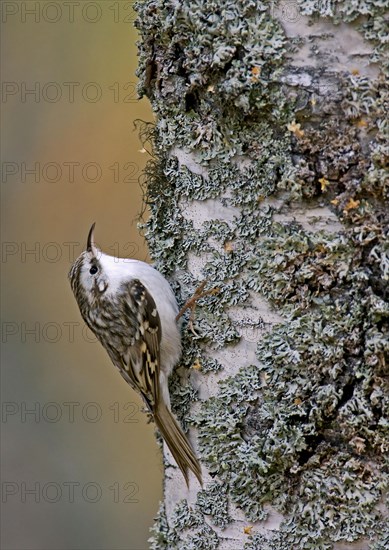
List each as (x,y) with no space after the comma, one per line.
(80,467)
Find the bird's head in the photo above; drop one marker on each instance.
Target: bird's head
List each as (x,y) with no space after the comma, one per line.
(89,276)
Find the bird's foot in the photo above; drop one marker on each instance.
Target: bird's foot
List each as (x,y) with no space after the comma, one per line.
(192,302)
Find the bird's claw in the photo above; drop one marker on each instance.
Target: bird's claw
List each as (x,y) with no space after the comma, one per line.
(192,302)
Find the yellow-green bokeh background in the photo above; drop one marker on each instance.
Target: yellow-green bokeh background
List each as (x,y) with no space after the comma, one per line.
(54,366)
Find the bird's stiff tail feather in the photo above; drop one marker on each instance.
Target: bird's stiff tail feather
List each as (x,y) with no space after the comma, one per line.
(177,442)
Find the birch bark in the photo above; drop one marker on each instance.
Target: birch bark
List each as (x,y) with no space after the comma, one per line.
(268,181)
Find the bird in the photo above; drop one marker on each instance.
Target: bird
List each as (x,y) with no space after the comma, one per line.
(131,309)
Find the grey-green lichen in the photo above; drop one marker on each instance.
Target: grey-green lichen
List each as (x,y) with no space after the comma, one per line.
(201,536)
(208,67)
(258,541)
(305,429)
(214,502)
(160,533)
(169,537)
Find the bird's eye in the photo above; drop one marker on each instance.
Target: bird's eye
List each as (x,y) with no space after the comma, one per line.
(93,270)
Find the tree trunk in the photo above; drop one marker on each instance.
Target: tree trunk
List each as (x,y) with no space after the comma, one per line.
(268,182)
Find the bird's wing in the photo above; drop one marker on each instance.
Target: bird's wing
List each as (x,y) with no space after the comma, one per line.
(142,362)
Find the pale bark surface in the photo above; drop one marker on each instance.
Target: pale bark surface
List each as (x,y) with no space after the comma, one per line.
(269,182)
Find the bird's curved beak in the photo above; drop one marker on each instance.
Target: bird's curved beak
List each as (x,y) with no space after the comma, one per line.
(90,243)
